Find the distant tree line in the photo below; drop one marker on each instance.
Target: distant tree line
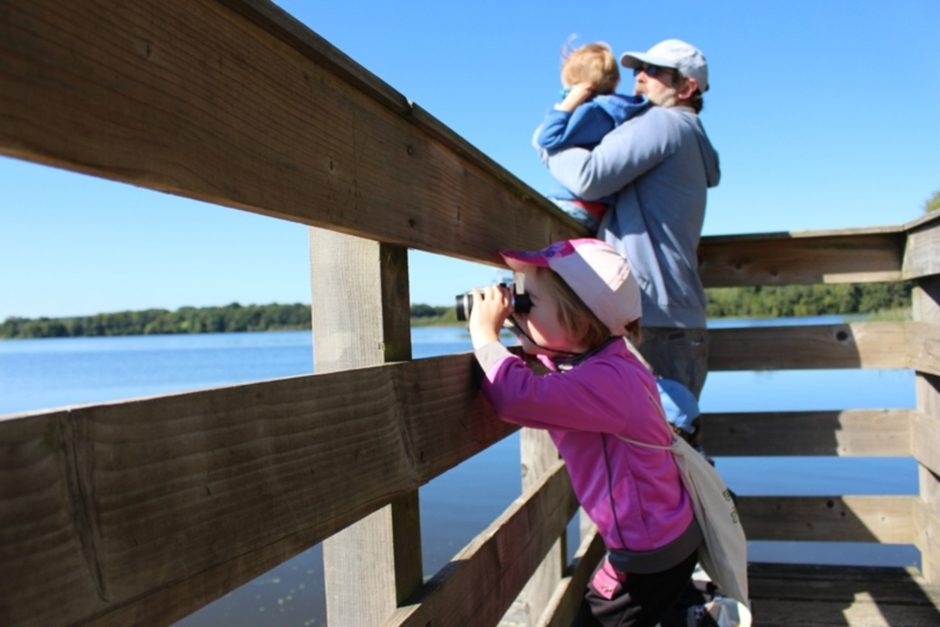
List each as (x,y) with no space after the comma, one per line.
(761,301)
(807,300)
(227,319)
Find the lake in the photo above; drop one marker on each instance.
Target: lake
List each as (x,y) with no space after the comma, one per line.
(47,373)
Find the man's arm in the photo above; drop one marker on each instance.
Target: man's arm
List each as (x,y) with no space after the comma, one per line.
(626,153)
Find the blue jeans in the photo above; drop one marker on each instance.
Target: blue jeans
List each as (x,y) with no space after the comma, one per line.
(678,354)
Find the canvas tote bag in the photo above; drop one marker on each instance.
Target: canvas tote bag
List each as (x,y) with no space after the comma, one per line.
(723,555)
(724,552)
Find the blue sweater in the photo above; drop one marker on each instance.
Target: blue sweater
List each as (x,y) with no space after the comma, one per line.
(585,127)
(659,164)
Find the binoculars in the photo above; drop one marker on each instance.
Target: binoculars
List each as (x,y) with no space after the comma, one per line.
(521,303)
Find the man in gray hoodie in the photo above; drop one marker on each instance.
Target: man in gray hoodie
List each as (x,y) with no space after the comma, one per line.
(659,165)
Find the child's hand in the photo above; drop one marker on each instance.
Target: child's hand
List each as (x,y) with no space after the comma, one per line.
(579,93)
(491,306)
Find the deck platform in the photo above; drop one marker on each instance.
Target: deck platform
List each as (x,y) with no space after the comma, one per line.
(784,594)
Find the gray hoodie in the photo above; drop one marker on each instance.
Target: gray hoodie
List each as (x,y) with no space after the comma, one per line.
(659,164)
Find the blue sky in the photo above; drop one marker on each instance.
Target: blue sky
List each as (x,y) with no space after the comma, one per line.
(826,115)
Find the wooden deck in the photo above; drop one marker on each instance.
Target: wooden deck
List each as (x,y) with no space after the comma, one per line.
(144,511)
(783,594)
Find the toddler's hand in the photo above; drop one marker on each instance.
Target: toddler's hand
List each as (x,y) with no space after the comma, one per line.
(579,93)
(491,306)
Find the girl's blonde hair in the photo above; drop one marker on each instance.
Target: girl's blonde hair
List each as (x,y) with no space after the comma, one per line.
(576,318)
(591,63)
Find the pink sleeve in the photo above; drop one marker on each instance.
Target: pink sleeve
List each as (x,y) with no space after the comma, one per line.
(601,395)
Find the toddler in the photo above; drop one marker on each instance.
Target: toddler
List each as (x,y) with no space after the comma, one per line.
(589,109)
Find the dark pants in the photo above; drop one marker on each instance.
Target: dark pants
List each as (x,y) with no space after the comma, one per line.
(637,600)
(677,354)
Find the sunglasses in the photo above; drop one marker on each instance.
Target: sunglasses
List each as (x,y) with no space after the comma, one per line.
(654,70)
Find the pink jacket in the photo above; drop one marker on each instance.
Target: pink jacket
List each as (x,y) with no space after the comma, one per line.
(633,494)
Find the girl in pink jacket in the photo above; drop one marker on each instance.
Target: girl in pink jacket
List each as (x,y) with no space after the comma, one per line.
(584,301)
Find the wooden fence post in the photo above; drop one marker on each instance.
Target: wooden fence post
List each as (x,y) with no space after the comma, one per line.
(361,317)
(926,430)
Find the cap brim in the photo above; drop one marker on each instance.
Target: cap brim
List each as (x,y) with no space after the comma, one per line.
(519,259)
(636,59)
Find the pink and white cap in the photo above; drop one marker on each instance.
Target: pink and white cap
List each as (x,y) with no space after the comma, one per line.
(595,271)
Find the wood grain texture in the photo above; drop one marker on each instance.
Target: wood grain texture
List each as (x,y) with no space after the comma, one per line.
(926,427)
(925,347)
(785,595)
(538,456)
(787,258)
(855,345)
(886,519)
(875,433)
(564,604)
(498,562)
(361,289)
(237,104)
(922,253)
(927,524)
(154,507)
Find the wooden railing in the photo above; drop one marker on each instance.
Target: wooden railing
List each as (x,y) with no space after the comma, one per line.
(144,511)
(910,252)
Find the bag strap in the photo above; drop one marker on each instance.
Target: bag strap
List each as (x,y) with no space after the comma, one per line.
(649,396)
(645,444)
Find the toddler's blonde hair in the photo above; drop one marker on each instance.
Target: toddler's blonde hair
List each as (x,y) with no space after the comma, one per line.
(590,63)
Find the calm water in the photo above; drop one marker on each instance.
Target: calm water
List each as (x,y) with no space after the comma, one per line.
(41,374)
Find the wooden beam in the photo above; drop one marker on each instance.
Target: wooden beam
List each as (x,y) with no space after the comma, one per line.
(360,318)
(564,604)
(926,313)
(925,347)
(884,432)
(498,562)
(850,256)
(925,430)
(855,345)
(922,253)
(791,594)
(236,103)
(155,507)
(927,524)
(886,519)
(538,456)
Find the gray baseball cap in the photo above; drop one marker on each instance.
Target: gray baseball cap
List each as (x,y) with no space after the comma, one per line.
(672,53)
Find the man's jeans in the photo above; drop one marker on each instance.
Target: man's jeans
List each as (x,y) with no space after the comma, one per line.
(679,354)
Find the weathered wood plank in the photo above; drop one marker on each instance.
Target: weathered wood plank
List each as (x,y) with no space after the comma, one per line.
(922,253)
(925,434)
(538,455)
(877,432)
(926,312)
(567,598)
(498,562)
(925,347)
(886,519)
(855,345)
(154,507)
(927,524)
(359,318)
(814,257)
(237,104)
(783,594)
(863,610)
